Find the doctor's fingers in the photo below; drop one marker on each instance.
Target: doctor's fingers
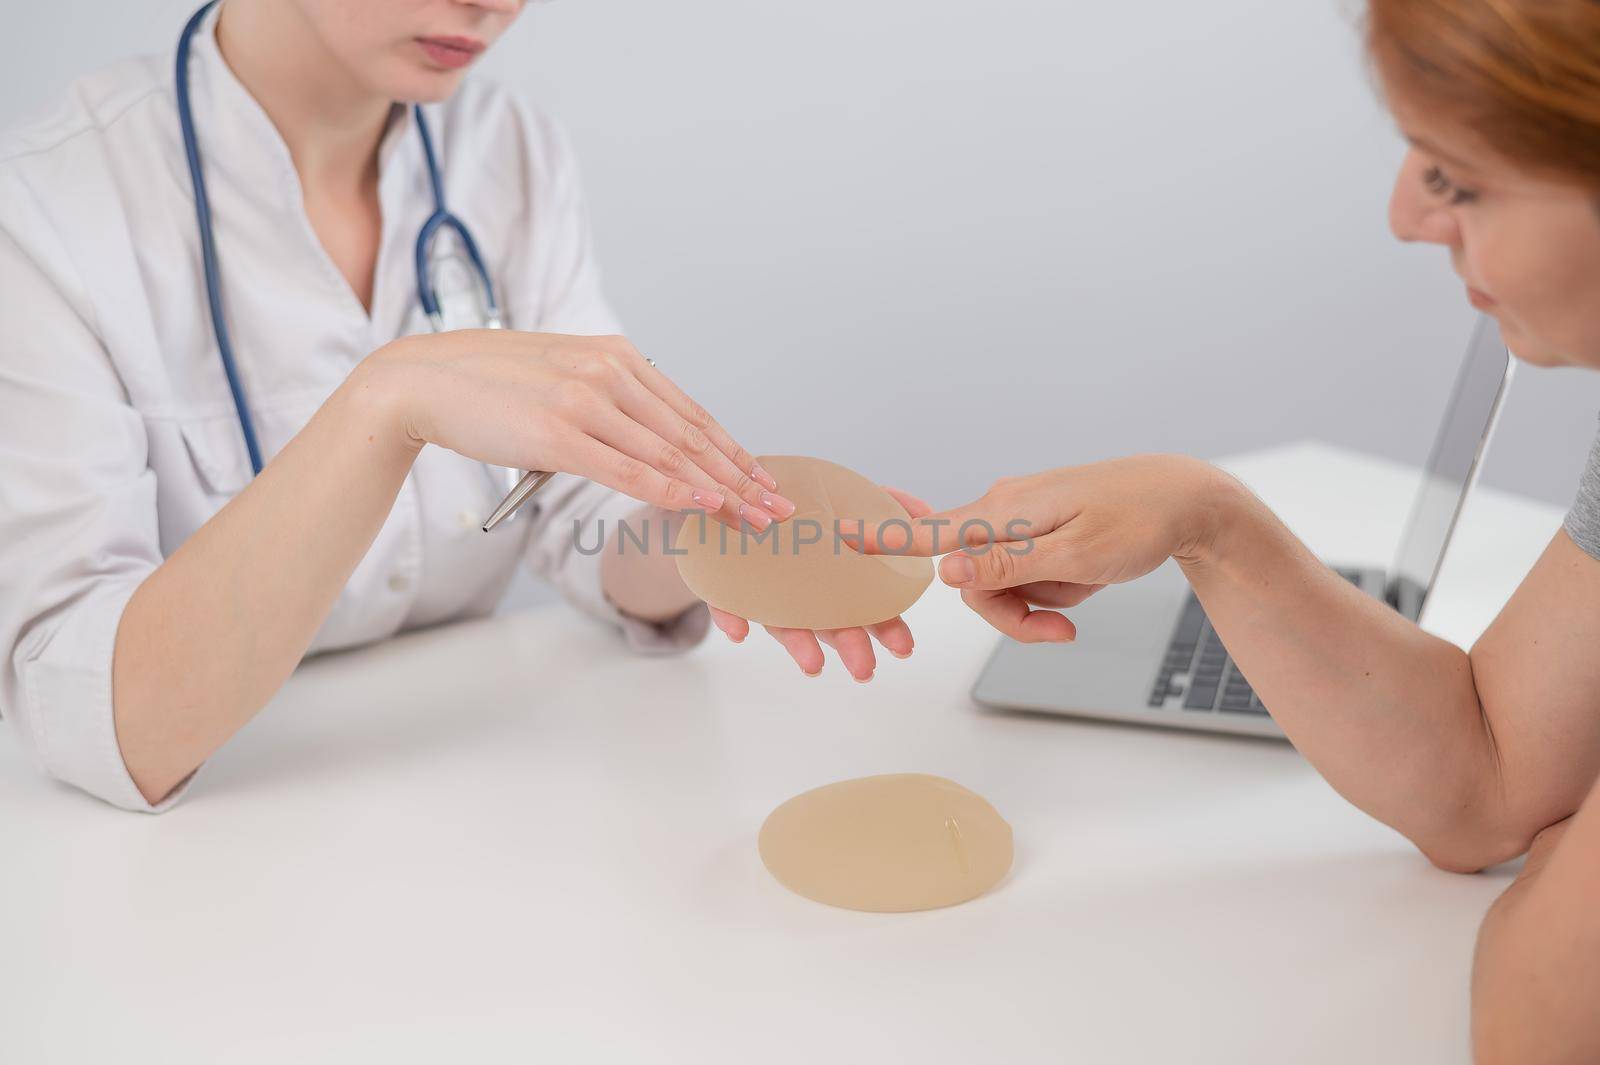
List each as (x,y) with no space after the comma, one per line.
(1009,612)
(615,429)
(583,455)
(653,412)
(895,635)
(854,648)
(733,626)
(696,415)
(802,647)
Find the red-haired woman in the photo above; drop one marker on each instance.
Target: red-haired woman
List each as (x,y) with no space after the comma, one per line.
(1475,757)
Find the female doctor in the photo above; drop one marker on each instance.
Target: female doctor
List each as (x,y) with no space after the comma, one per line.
(216,451)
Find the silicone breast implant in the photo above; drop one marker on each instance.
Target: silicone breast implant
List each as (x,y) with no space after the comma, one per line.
(799,573)
(887,844)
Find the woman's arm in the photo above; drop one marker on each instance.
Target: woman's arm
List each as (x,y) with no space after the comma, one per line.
(1468,755)
(214,631)
(1536,976)
(638,575)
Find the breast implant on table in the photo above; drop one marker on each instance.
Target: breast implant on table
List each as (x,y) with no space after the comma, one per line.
(889,843)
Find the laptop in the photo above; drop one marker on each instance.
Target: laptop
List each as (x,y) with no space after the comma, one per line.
(1146,653)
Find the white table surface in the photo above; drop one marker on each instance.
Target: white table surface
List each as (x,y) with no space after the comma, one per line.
(510,841)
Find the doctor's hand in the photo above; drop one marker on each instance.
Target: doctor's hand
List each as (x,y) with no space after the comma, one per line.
(1055,538)
(590,406)
(854,646)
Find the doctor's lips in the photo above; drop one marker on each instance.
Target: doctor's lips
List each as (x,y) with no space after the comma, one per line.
(1481,300)
(452,53)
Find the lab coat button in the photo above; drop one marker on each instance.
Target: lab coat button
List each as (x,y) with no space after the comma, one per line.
(398,582)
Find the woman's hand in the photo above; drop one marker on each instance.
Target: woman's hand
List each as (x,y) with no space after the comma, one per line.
(854,646)
(591,406)
(1056,538)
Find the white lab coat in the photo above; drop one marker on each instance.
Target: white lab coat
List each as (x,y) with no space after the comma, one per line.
(118,436)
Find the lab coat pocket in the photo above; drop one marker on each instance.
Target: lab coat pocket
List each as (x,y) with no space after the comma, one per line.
(216,448)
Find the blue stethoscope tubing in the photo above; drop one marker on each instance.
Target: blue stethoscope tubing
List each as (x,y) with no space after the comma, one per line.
(441,218)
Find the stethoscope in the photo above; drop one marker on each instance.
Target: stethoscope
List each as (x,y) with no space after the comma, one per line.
(427,293)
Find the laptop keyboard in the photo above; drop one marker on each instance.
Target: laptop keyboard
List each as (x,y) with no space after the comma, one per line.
(1196,652)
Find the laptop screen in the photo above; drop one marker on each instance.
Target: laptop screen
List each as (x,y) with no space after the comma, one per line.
(1463,436)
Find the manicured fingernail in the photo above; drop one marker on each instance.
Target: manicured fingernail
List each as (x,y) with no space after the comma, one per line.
(957,569)
(818,673)
(763,476)
(897,654)
(862,680)
(732,638)
(757,518)
(780,507)
(707,498)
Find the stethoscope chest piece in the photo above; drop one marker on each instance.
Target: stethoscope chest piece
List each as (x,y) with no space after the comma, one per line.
(457,293)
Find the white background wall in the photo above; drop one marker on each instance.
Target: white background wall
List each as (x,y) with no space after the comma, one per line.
(944,241)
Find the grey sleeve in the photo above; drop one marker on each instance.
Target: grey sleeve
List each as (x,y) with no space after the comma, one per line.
(1583,520)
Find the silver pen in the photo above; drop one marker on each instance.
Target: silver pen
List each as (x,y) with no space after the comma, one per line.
(531,482)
